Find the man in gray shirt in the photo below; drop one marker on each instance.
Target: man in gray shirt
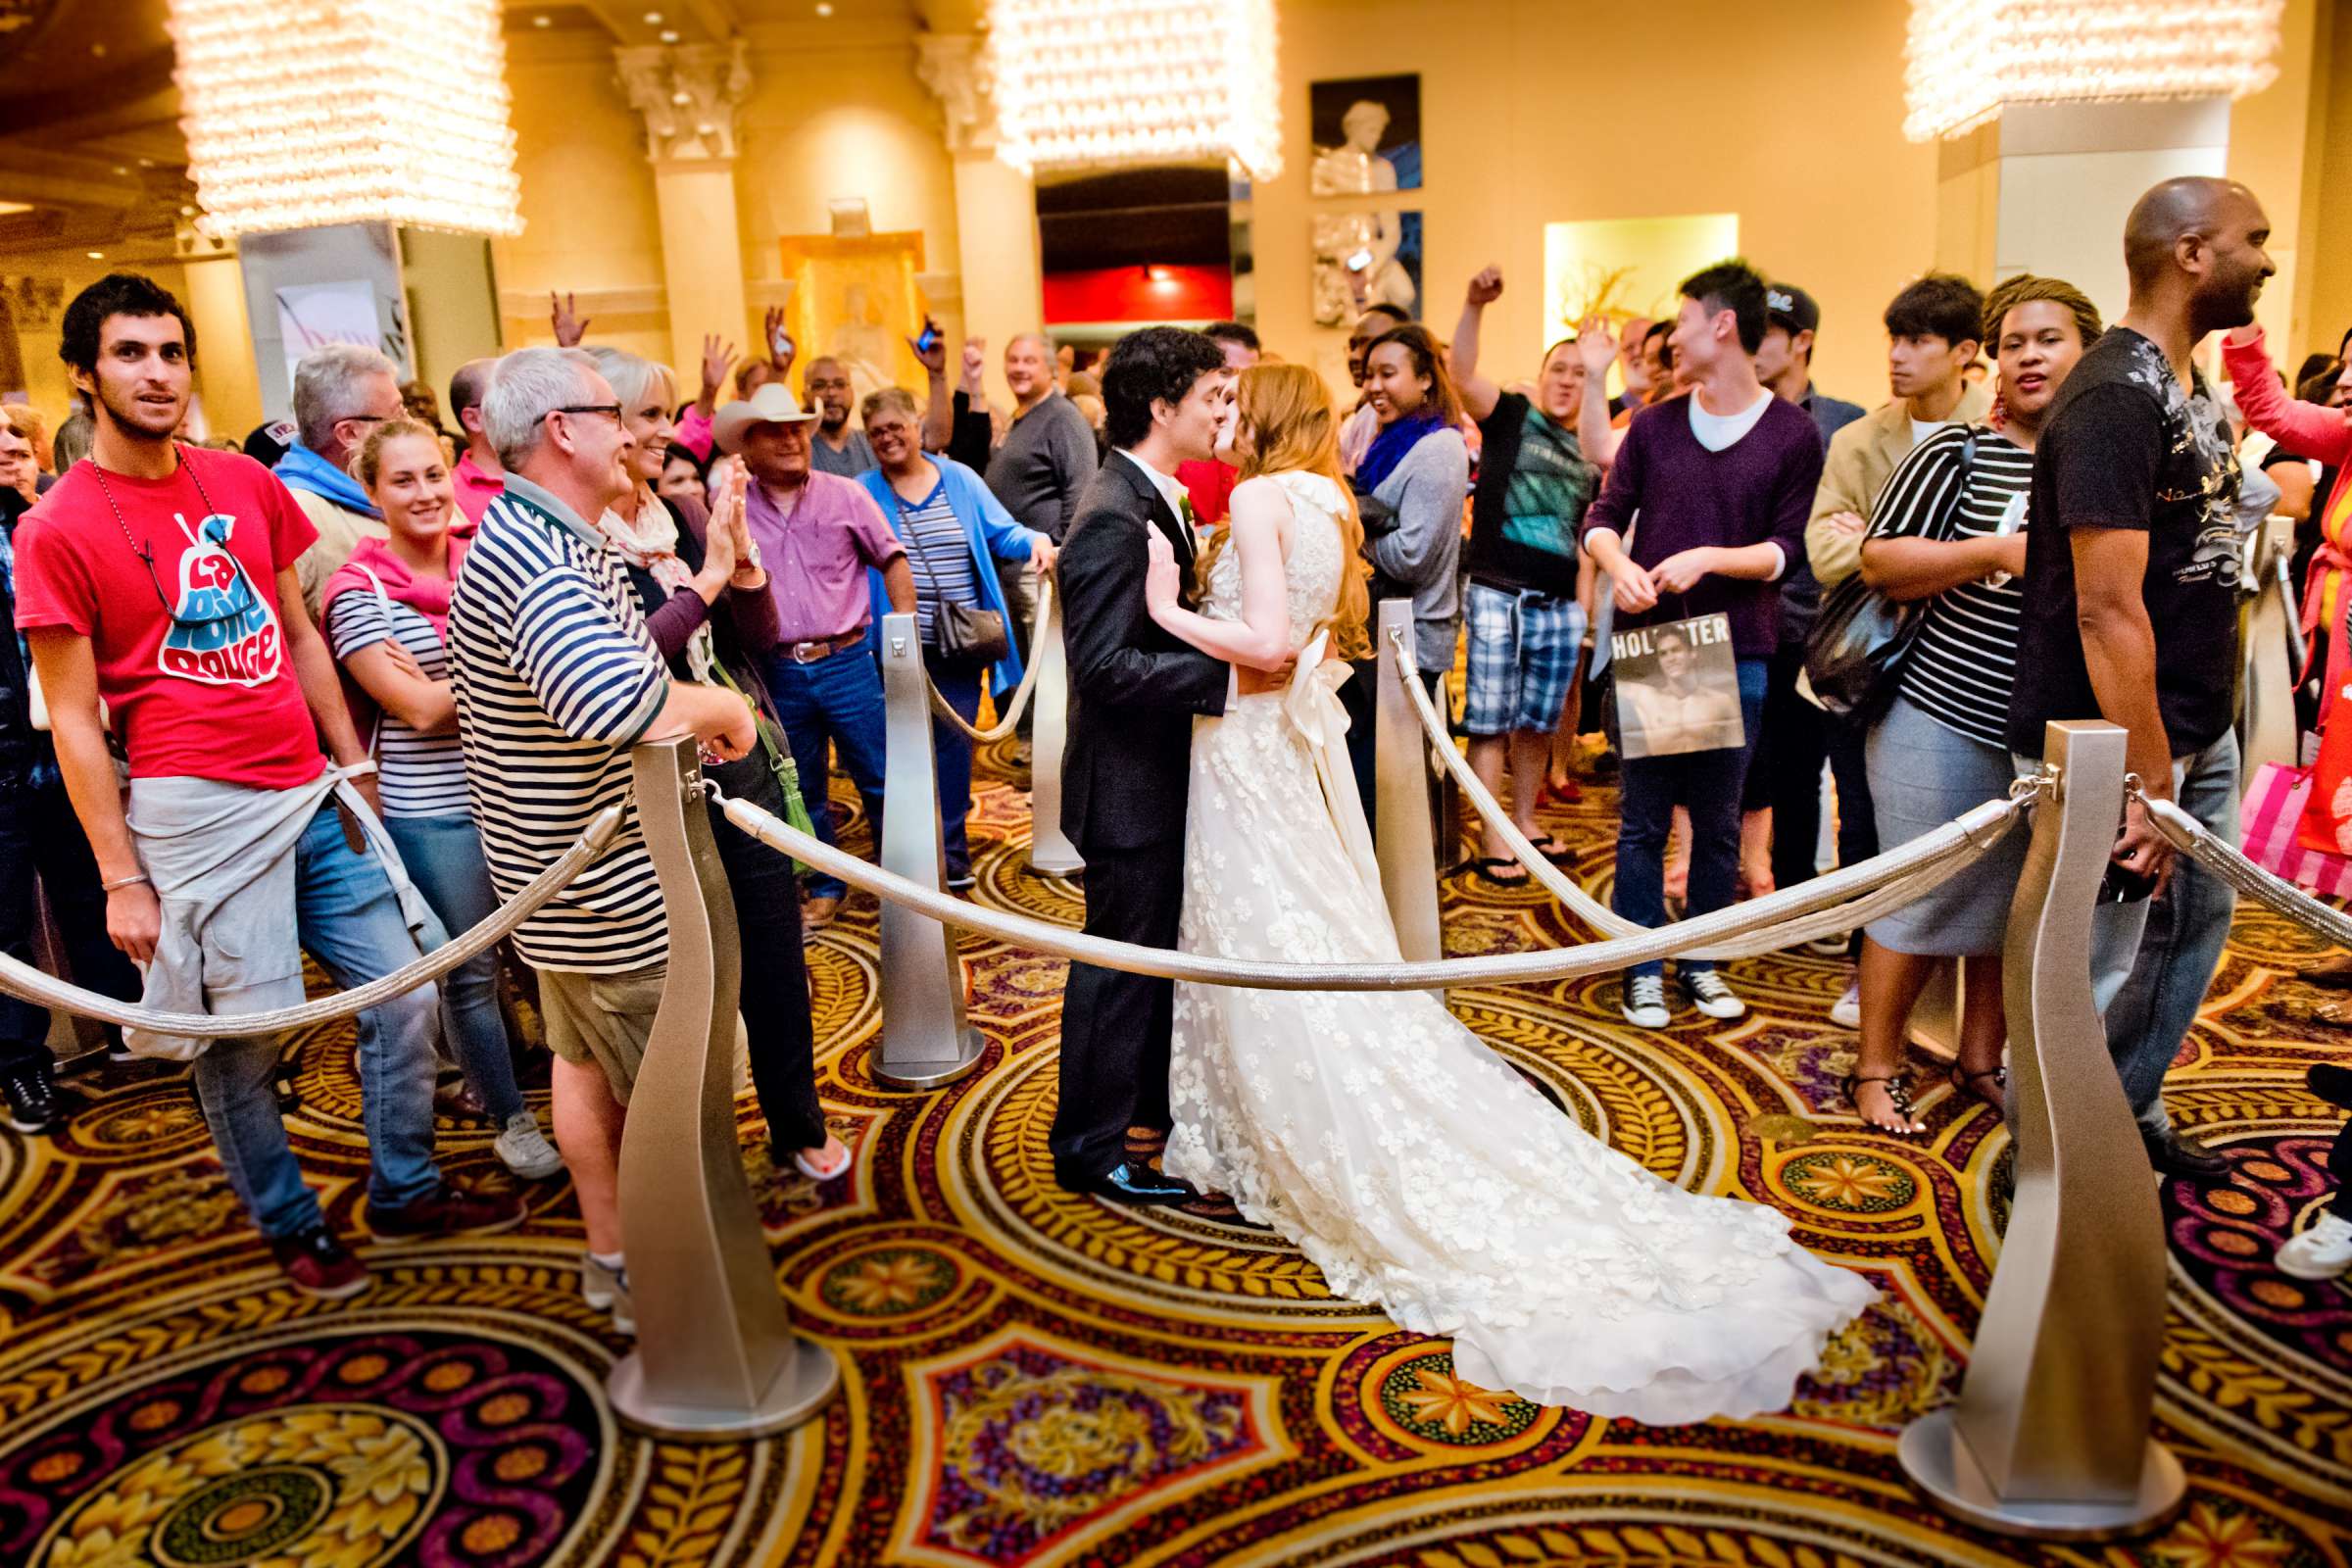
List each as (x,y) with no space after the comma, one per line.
(1044,462)
(837,446)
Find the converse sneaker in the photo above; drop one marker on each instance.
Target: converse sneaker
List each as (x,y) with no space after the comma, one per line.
(2321,1252)
(450,1211)
(30,1101)
(1644,1004)
(606,1288)
(1846,1011)
(1711,996)
(525,1149)
(317,1264)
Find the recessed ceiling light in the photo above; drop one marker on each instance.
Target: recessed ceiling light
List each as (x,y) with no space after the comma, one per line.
(98,50)
(122,168)
(824,7)
(543,20)
(96,256)
(681,98)
(652,18)
(187,210)
(669,35)
(14,207)
(146,162)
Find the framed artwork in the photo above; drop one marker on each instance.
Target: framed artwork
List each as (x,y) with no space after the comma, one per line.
(1627,266)
(1364,256)
(1367,135)
(855,299)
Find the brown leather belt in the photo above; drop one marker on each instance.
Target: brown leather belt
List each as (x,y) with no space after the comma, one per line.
(809,652)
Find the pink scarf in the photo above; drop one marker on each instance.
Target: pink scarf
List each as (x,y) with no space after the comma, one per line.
(373,562)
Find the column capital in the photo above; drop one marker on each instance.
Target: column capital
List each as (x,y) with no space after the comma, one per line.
(954,66)
(687,94)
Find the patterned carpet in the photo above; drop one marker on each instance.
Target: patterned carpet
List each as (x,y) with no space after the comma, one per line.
(1032,1378)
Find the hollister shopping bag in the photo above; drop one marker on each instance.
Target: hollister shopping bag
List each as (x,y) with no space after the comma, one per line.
(1678,688)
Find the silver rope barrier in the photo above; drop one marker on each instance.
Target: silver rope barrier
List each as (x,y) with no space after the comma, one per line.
(1019,700)
(24,981)
(2226,861)
(1900,875)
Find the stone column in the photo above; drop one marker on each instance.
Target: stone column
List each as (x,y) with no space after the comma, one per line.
(995,206)
(232,390)
(688,95)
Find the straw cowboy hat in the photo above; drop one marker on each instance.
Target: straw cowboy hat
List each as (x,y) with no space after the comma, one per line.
(772,403)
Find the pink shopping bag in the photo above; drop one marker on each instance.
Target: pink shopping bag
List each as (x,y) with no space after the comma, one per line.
(2273,806)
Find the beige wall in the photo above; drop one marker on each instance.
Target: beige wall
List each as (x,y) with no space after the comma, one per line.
(45,374)
(2328,260)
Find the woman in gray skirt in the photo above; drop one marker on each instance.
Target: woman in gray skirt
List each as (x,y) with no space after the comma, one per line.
(1950,530)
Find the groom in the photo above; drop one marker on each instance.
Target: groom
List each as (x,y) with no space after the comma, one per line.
(1134,691)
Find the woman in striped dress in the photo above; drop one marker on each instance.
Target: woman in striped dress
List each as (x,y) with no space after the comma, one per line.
(1950,530)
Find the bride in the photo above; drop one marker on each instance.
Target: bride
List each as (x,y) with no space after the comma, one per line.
(1404,1159)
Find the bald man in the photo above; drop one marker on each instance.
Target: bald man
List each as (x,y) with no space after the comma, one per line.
(478,477)
(2130,593)
(1038,470)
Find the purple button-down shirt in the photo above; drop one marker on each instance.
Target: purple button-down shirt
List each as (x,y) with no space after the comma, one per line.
(817,552)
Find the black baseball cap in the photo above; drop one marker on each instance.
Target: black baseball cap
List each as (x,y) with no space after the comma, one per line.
(1791,309)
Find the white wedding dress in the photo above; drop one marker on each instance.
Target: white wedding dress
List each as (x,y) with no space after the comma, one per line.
(1407,1161)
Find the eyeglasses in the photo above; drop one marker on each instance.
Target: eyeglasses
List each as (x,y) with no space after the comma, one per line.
(365,418)
(611,409)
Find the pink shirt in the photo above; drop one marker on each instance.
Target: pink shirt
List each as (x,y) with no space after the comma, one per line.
(695,433)
(476,488)
(816,553)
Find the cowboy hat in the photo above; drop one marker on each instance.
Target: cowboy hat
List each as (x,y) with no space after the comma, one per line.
(772,403)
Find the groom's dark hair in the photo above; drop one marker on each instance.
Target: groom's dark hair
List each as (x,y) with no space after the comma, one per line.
(1158,362)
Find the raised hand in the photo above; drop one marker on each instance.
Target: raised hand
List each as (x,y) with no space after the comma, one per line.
(1596,344)
(719,358)
(781,350)
(976,363)
(935,361)
(1487,287)
(564,316)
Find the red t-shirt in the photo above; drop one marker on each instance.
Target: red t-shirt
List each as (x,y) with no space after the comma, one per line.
(206,690)
(1210,485)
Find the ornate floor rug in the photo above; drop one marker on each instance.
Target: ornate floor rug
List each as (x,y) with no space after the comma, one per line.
(1033,1378)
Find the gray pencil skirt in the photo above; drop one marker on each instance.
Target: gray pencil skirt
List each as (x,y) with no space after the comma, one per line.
(1922,775)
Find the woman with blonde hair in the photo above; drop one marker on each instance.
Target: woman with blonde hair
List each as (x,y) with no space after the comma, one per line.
(1407,1161)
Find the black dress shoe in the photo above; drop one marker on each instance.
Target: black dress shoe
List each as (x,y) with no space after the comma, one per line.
(30,1101)
(1130,1183)
(2332,1083)
(2175,1156)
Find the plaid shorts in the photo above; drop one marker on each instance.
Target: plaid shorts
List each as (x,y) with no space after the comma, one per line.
(1523,648)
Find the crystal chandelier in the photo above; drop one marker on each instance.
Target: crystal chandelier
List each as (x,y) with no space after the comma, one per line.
(304,113)
(1966,58)
(1101,84)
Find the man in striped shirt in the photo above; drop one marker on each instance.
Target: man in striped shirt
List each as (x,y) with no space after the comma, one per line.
(555,679)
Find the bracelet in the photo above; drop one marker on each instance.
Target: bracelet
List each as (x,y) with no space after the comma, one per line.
(122,882)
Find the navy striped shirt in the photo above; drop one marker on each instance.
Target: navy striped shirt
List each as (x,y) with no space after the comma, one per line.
(940,556)
(417,774)
(1964,665)
(555,679)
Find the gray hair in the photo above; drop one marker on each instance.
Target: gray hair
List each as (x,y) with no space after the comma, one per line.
(327,386)
(889,397)
(525,387)
(635,379)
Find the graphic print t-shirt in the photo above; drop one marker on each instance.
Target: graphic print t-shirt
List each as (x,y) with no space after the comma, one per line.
(203,689)
(2126,446)
(1523,520)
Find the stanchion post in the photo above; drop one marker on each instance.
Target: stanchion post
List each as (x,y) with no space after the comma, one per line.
(2050,1436)
(925,1040)
(1400,836)
(1050,851)
(717,1357)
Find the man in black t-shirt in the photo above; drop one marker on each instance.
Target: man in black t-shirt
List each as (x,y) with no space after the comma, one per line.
(2130,596)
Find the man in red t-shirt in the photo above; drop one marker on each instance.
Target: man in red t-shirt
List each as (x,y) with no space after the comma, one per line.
(1210,484)
(158,579)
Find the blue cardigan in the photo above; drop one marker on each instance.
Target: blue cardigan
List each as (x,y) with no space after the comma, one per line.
(988,530)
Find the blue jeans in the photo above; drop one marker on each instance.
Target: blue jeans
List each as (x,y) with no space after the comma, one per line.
(838,698)
(1708,784)
(444,858)
(958,681)
(2151,962)
(349,920)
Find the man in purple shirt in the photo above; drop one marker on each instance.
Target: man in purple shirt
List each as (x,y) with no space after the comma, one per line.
(817,533)
(1722,479)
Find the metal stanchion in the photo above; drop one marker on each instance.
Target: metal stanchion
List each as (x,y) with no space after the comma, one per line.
(2266,728)
(1402,835)
(925,1040)
(1050,851)
(715,1357)
(2049,1438)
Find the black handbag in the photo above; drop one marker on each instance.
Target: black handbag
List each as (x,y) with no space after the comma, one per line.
(958,630)
(1861,638)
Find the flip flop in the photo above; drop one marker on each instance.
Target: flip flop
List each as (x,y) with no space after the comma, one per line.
(1487,869)
(1552,850)
(815,1173)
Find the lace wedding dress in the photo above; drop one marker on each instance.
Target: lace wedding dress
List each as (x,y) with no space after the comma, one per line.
(1404,1157)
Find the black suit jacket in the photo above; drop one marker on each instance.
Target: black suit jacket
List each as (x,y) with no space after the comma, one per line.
(1134,688)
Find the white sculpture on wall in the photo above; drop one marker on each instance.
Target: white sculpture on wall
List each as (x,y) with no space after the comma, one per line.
(954,66)
(688,95)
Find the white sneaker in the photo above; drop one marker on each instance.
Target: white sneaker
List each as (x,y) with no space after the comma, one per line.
(1710,995)
(525,1149)
(1644,1001)
(1834,946)
(606,1289)
(2321,1252)
(1846,1011)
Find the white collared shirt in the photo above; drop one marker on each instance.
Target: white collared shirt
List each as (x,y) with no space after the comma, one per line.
(1170,490)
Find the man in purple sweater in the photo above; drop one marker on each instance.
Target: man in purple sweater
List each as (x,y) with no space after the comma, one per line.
(1720,480)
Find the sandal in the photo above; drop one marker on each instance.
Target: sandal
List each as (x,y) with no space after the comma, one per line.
(1489,868)
(1552,850)
(1565,792)
(1966,1082)
(821,1173)
(1897,1089)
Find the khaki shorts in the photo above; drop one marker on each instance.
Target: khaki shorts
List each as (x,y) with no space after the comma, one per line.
(602,1018)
